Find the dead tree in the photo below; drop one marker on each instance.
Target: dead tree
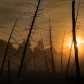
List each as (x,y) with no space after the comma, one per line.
(53,66)
(69,58)
(7,47)
(62,54)
(74,40)
(71,44)
(8,71)
(72,66)
(45,55)
(22,60)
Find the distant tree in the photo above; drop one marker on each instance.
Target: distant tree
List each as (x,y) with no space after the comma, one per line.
(38,48)
(3,43)
(28,54)
(40,44)
(22,45)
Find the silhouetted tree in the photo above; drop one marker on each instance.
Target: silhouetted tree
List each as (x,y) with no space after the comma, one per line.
(3,43)
(22,45)
(40,45)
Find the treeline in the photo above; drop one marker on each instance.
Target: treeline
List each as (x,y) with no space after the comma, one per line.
(34,60)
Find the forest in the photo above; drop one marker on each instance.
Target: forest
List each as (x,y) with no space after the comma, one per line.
(29,57)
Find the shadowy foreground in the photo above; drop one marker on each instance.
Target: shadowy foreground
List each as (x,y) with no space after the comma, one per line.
(41,79)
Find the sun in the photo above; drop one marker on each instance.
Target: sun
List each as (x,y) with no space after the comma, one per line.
(79,41)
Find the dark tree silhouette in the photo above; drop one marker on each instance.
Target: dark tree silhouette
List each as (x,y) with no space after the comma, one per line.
(22,45)
(19,71)
(8,46)
(3,43)
(74,40)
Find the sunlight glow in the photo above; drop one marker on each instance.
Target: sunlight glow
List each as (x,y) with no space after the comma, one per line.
(78,43)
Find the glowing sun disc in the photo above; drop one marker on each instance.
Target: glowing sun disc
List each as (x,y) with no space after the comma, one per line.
(78,43)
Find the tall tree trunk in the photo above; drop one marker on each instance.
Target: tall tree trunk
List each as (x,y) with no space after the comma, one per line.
(45,56)
(53,66)
(62,54)
(69,59)
(7,46)
(19,71)
(74,40)
(8,71)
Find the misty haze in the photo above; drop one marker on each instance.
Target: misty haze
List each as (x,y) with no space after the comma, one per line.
(41,42)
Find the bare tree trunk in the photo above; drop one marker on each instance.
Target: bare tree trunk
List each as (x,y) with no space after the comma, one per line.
(7,47)
(72,67)
(69,59)
(46,62)
(62,55)
(74,40)
(45,56)
(19,71)
(8,71)
(53,66)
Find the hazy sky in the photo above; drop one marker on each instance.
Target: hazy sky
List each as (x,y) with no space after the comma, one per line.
(60,14)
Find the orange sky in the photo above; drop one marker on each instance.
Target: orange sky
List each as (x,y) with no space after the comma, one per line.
(60,14)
